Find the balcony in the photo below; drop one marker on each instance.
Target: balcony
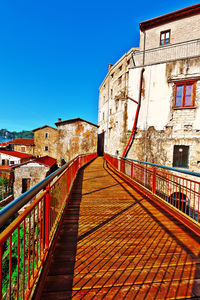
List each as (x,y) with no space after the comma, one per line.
(168,53)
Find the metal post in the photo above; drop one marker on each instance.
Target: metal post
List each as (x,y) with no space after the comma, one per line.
(47,212)
(154,181)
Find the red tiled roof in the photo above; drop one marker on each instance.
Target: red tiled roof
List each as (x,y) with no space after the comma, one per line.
(22,142)
(178,14)
(5,168)
(16,154)
(4,144)
(45,160)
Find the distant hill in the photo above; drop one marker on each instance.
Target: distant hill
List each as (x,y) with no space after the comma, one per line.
(6,135)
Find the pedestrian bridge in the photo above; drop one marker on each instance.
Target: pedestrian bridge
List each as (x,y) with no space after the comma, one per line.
(127,232)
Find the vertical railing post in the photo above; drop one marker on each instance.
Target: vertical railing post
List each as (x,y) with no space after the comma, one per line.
(121,165)
(47,217)
(132,170)
(154,181)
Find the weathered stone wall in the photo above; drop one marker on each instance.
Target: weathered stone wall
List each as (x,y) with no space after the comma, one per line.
(113,104)
(34,171)
(28,149)
(76,138)
(41,141)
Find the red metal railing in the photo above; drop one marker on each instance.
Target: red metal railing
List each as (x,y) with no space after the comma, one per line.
(180,192)
(24,244)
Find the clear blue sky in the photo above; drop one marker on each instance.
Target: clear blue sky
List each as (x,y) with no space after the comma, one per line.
(54,54)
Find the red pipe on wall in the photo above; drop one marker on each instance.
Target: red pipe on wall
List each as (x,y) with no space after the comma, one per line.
(131,139)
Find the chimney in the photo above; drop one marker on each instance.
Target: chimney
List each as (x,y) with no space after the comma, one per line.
(109,67)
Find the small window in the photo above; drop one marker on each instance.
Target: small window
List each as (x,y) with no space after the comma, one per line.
(165,37)
(181,156)
(119,80)
(120,68)
(3,162)
(111,93)
(46,148)
(23,149)
(11,162)
(184,94)
(110,111)
(112,75)
(25,184)
(128,62)
(46,135)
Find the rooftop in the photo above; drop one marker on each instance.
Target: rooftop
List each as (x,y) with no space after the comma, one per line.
(73,121)
(16,154)
(21,141)
(42,127)
(178,14)
(46,160)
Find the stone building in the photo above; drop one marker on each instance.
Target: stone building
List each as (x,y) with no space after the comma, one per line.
(28,174)
(22,145)
(113,102)
(76,136)
(168,126)
(46,141)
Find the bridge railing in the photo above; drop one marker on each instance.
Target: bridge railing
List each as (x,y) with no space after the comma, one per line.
(180,192)
(24,244)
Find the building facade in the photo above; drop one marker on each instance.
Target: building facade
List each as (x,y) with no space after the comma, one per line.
(76,136)
(168,127)
(22,145)
(46,141)
(28,174)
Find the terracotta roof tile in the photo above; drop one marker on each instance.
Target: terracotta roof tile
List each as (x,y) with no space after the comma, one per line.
(16,154)
(46,160)
(22,142)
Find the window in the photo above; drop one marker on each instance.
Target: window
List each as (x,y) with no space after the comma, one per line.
(46,135)
(11,162)
(46,148)
(3,162)
(111,93)
(120,68)
(165,37)
(110,111)
(184,94)
(23,149)
(25,184)
(128,62)
(119,80)
(181,156)
(112,75)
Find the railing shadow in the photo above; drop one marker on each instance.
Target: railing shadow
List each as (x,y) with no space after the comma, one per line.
(153,292)
(57,277)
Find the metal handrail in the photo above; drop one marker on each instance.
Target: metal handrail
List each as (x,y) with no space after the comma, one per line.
(13,207)
(159,166)
(138,52)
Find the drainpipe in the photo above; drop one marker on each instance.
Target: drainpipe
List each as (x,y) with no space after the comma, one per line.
(131,139)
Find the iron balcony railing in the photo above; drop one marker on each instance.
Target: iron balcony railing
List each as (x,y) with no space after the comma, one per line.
(24,244)
(181,193)
(168,53)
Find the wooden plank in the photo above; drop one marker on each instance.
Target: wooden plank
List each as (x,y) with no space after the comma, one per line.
(114,244)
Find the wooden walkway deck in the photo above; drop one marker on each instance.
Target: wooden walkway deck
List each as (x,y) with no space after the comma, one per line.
(115,244)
